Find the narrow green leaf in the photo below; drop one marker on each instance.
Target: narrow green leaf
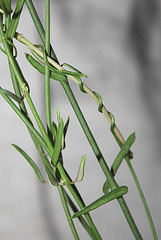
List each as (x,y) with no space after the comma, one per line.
(10,94)
(58,143)
(122,154)
(31,162)
(66,127)
(116,193)
(54,130)
(15,19)
(117,162)
(26,120)
(65,132)
(106,187)
(71,67)
(63,72)
(54,75)
(81,169)
(6,6)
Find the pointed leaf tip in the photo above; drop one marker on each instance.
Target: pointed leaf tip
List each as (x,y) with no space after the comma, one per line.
(30,161)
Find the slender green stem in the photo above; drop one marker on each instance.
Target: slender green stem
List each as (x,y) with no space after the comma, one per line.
(24,88)
(77,198)
(26,120)
(47,69)
(143,198)
(41,32)
(39,25)
(67,212)
(81,218)
(39,122)
(100,158)
(80,118)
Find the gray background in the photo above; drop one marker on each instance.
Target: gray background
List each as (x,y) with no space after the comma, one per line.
(117,44)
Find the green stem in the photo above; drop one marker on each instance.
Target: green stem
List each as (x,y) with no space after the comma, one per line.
(142,198)
(39,25)
(100,158)
(67,212)
(41,32)
(39,123)
(26,121)
(81,218)
(23,86)
(72,188)
(47,69)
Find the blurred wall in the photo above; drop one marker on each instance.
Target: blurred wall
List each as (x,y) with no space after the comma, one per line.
(117,44)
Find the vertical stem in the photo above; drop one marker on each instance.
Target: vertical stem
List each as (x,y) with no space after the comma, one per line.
(39,122)
(78,199)
(67,212)
(47,70)
(39,25)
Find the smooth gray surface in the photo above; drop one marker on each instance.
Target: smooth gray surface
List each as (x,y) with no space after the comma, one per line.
(117,44)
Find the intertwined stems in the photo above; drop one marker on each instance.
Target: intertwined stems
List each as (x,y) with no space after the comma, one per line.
(75,107)
(46,144)
(97,151)
(116,132)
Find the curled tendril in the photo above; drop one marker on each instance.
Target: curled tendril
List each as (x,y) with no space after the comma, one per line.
(113,131)
(130,154)
(80,83)
(100,105)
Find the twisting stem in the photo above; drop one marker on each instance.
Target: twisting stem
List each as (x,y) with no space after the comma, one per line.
(88,133)
(101,159)
(25,41)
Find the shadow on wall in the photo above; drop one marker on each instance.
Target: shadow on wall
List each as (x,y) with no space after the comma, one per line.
(145,39)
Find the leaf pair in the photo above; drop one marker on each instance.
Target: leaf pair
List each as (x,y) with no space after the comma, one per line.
(58,75)
(116,193)
(54,75)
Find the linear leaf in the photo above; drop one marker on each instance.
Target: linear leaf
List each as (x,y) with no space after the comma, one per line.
(117,162)
(81,169)
(54,75)
(124,151)
(10,94)
(31,162)
(58,143)
(15,19)
(116,193)
(26,120)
